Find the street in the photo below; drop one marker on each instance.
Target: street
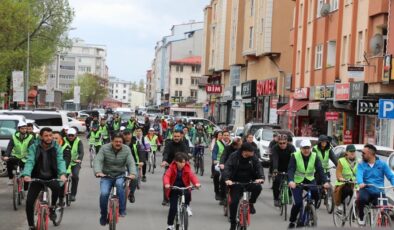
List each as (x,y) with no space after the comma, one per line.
(148,213)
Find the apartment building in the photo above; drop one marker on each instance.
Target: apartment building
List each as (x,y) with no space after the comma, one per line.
(120,90)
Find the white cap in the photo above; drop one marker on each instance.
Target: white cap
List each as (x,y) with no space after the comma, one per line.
(122,128)
(22,123)
(66,127)
(306,143)
(72,131)
(151,129)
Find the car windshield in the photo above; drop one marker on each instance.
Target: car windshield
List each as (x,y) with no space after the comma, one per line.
(7,128)
(254,128)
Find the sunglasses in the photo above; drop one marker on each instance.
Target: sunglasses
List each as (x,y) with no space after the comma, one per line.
(306,147)
(282,143)
(70,135)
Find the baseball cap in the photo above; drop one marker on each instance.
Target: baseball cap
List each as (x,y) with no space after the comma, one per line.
(127,131)
(122,128)
(151,129)
(350,148)
(72,131)
(306,143)
(21,124)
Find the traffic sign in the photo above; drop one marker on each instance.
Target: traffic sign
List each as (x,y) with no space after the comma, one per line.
(386,109)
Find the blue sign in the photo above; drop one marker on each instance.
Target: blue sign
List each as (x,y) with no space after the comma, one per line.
(386,109)
(206,108)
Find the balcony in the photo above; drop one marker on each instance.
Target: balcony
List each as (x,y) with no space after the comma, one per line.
(377,7)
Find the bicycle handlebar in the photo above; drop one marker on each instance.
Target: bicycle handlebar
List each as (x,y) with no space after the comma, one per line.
(307,185)
(244,183)
(44,181)
(183,188)
(112,177)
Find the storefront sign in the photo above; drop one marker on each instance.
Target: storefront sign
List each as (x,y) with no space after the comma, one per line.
(248,89)
(288,82)
(329,93)
(301,93)
(314,106)
(266,87)
(386,109)
(367,107)
(320,92)
(332,116)
(387,69)
(348,137)
(342,92)
(213,89)
(273,116)
(356,90)
(355,71)
(236,104)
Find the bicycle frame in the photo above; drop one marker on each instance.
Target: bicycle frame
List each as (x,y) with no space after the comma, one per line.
(181,207)
(243,213)
(308,202)
(376,211)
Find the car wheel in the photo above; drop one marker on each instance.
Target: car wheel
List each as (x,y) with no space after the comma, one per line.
(76,129)
(3,168)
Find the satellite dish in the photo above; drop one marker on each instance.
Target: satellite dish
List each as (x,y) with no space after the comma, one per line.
(325,9)
(376,44)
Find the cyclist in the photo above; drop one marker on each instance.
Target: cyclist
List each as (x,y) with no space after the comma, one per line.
(302,167)
(281,154)
(178,174)
(179,125)
(325,153)
(170,131)
(164,126)
(112,160)
(44,161)
(66,151)
(249,139)
(192,130)
(131,124)
(171,147)
(146,126)
(77,153)
(188,139)
(346,171)
(30,130)
(104,130)
(17,148)
(158,131)
(116,123)
(243,166)
(371,171)
(271,145)
(95,138)
(153,140)
(217,152)
(217,136)
(200,140)
(143,142)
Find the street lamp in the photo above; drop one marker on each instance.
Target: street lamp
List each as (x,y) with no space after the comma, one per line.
(28,60)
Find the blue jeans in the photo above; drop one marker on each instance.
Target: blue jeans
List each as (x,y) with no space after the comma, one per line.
(105,192)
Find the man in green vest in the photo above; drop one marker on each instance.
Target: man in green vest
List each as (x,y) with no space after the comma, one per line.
(131,124)
(65,149)
(346,171)
(325,154)
(95,138)
(302,168)
(76,159)
(116,123)
(16,152)
(217,152)
(104,130)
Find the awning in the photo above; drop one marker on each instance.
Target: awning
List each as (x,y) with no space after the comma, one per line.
(296,106)
(283,109)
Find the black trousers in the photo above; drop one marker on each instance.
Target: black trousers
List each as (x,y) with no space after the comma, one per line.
(146,154)
(276,186)
(236,194)
(75,178)
(216,181)
(34,189)
(11,165)
(174,203)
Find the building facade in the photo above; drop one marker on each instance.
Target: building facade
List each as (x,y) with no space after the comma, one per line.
(120,90)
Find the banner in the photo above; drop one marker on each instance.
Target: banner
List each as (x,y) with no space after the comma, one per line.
(50,89)
(18,86)
(77,94)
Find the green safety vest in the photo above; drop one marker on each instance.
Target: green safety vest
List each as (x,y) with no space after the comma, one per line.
(325,160)
(136,153)
(116,125)
(153,142)
(20,149)
(220,149)
(130,124)
(104,131)
(301,173)
(169,136)
(348,173)
(94,138)
(74,150)
(209,129)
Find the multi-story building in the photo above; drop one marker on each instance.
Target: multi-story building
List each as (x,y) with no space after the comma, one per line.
(149,87)
(120,90)
(338,75)
(81,58)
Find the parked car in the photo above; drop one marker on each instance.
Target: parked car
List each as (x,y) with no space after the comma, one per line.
(8,126)
(253,127)
(237,132)
(77,125)
(263,137)
(205,122)
(93,113)
(297,141)
(384,153)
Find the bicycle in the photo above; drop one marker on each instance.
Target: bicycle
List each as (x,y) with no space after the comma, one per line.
(67,190)
(41,209)
(226,206)
(341,217)
(18,185)
(327,195)
(152,161)
(199,160)
(284,195)
(92,154)
(181,218)
(379,215)
(308,216)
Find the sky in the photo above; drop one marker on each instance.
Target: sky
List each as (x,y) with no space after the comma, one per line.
(130,29)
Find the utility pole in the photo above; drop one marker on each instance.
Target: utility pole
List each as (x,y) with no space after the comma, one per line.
(28,61)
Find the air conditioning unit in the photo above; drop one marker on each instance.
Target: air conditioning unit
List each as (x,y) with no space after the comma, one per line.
(325,9)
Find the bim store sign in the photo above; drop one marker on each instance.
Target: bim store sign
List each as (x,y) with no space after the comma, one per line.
(248,89)
(266,88)
(342,92)
(213,89)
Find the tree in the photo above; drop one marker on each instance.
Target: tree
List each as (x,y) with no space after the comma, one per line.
(141,86)
(46,21)
(92,90)
(134,86)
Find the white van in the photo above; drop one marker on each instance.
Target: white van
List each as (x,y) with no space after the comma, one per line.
(52,119)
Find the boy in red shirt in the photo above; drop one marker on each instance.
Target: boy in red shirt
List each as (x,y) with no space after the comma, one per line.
(178,174)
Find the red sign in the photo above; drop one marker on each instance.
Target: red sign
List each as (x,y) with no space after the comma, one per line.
(342,92)
(267,87)
(274,103)
(348,137)
(301,93)
(213,89)
(332,116)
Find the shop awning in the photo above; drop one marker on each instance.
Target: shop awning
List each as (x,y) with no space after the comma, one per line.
(282,110)
(297,106)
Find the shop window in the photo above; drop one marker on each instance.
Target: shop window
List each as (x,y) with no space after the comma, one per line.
(251,35)
(344,50)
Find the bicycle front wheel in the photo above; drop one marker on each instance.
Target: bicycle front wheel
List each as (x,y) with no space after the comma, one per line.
(68,194)
(113,216)
(91,156)
(384,220)
(311,216)
(339,217)
(201,164)
(59,216)
(329,201)
(185,219)
(15,193)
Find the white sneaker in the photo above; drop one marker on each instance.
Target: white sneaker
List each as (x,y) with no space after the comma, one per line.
(170,227)
(189,211)
(340,208)
(10,182)
(361,222)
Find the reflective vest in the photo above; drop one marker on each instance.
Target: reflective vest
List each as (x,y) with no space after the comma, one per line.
(116,125)
(220,150)
(152,142)
(169,135)
(74,150)
(209,129)
(104,131)
(301,173)
(136,153)
(325,160)
(130,125)
(20,147)
(348,173)
(95,138)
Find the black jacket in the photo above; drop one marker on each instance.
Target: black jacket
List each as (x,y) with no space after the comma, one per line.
(228,150)
(171,147)
(66,155)
(231,167)
(281,157)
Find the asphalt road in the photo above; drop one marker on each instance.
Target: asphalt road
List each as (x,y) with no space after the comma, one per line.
(148,213)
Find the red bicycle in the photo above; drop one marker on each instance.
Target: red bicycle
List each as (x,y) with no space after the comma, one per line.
(18,184)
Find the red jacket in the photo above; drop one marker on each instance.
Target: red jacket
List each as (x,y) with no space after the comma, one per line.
(188,176)
(164,125)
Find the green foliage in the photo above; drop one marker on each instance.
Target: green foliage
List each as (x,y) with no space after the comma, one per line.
(141,86)
(92,90)
(46,21)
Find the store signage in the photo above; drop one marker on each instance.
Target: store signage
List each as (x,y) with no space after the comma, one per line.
(301,93)
(386,109)
(342,92)
(356,90)
(329,93)
(387,69)
(267,87)
(248,89)
(367,107)
(288,80)
(213,89)
(314,106)
(348,137)
(320,92)
(274,103)
(355,71)
(332,116)
(236,104)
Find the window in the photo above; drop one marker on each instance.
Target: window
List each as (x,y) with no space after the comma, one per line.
(344,50)
(334,5)
(262,25)
(196,69)
(177,81)
(179,68)
(298,61)
(212,57)
(308,59)
(194,81)
(181,81)
(360,47)
(251,7)
(319,6)
(180,93)
(319,56)
(7,128)
(124,97)
(124,85)
(116,97)
(67,67)
(250,37)
(331,53)
(116,91)
(86,69)
(193,93)
(124,91)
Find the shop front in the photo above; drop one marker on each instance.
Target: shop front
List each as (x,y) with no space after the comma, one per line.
(267,101)
(248,94)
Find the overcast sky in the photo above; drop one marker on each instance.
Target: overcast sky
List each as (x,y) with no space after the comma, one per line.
(130,29)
